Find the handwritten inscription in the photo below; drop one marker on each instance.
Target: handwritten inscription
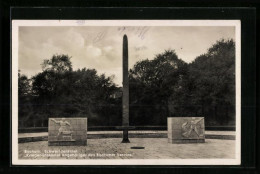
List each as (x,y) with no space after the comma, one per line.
(140,48)
(138,51)
(140,31)
(99,36)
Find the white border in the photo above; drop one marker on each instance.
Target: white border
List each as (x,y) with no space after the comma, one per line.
(17,23)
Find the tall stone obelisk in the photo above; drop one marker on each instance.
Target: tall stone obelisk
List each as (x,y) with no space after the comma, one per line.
(125,100)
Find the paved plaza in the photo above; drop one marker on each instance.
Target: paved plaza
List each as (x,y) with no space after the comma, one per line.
(112,148)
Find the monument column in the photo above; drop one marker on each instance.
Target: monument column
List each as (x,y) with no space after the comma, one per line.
(125,100)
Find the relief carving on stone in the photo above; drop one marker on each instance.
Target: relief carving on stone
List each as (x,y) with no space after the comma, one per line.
(65,130)
(192,129)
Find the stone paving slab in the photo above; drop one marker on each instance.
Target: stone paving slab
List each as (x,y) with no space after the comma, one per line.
(112,148)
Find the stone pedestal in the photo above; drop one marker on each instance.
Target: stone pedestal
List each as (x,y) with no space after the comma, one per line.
(67,132)
(186,130)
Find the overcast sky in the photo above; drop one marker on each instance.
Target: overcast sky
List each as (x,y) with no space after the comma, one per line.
(101,47)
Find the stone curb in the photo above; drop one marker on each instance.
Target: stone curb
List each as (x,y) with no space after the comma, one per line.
(131,135)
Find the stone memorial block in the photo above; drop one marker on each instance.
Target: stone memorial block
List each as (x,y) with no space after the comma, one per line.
(67,131)
(186,129)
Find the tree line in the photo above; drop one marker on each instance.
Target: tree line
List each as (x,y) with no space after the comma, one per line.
(162,87)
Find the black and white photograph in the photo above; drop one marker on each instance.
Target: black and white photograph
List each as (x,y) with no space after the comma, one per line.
(126,92)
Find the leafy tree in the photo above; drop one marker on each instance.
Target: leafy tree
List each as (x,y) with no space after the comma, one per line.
(212,82)
(24,87)
(162,87)
(24,100)
(167,86)
(151,84)
(58,63)
(62,92)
